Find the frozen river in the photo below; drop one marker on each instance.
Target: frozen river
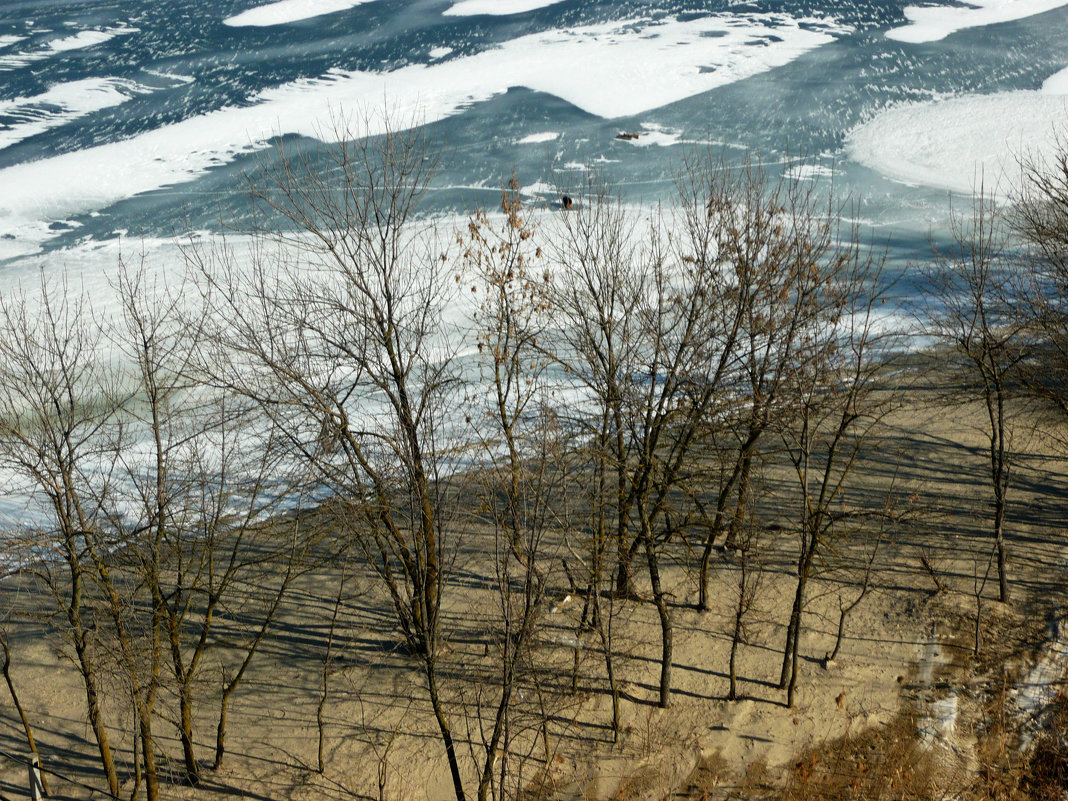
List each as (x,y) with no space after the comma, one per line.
(145,116)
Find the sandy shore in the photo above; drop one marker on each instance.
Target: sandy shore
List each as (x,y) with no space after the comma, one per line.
(381,740)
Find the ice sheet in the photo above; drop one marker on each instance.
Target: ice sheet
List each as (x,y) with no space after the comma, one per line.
(956,143)
(497,7)
(288,11)
(932,23)
(24,117)
(611,70)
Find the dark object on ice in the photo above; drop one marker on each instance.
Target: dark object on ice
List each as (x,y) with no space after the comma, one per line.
(566,202)
(627,136)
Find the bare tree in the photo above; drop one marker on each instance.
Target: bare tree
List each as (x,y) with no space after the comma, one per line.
(765,234)
(52,412)
(595,299)
(342,343)
(972,313)
(647,339)
(522,469)
(835,401)
(185,527)
(747,590)
(1040,218)
(324,677)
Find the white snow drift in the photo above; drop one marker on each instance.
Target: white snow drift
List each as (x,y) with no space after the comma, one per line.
(285,11)
(957,143)
(60,104)
(497,7)
(932,23)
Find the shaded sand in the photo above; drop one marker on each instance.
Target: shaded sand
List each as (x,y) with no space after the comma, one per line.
(901,643)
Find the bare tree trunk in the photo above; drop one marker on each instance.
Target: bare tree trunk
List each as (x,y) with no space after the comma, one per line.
(135,791)
(184,679)
(232,684)
(148,756)
(788,677)
(747,589)
(664,614)
(703,567)
(96,719)
(844,610)
(185,732)
(792,686)
(791,638)
(604,628)
(736,636)
(30,742)
(744,480)
(710,541)
(324,683)
(220,730)
(1000,469)
(1003,580)
(446,732)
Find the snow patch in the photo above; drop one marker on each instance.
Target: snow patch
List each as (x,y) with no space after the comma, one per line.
(654,134)
(1036,694)
(808,172)
(24,117)
(1056,84)
(956,143)
(933,23)
(535,138)
(285,11)
(170,76)
(439,52)
(537,189)
(79,41)
(496,7)
(941,723)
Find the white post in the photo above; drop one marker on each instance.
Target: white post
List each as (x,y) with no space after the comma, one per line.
(36,788)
